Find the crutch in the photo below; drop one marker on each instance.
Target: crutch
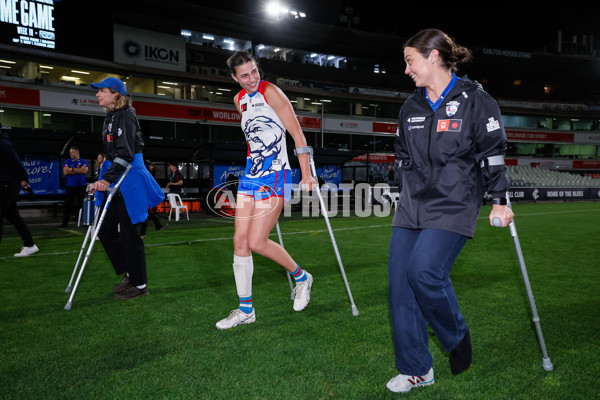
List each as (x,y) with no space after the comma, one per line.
(87,236)
(287,272)
(546,363)
(112,192)
(309,150)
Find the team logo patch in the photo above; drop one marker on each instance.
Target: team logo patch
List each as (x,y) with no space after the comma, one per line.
(244,107)
(109,138)
(449,125)
(452,108)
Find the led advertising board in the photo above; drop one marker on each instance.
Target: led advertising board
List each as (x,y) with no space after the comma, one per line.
(28,23)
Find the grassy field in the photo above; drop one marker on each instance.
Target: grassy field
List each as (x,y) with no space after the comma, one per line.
(166,346)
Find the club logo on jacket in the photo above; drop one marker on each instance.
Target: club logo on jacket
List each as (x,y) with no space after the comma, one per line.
(452,108)
(244,107)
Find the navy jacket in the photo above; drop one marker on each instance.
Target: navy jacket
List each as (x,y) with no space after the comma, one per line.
(441,153)
(11,169)
(122,139)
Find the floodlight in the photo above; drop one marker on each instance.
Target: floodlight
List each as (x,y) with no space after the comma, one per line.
(273,8)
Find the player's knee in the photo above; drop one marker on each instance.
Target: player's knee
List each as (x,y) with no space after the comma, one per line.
(257,245)
(240,242)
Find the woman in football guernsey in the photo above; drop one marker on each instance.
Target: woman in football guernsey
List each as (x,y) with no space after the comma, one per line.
(266,185)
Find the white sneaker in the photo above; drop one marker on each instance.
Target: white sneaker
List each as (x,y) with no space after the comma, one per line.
(236,317)
(403,383)
(27,251)
(302,293)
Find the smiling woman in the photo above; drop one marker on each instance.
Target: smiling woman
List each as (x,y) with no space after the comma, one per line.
(448,128)
(266,115)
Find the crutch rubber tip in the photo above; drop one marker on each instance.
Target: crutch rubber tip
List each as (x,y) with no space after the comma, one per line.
(547,364)
(497,222)
(354,310)
(68,289)
(68,306)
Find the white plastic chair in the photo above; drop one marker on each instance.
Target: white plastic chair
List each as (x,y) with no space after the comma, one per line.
(177,205)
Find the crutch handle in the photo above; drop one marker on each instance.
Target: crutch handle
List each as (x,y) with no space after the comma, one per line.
(497,222)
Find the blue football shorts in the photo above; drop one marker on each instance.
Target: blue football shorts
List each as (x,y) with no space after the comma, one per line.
(278,184)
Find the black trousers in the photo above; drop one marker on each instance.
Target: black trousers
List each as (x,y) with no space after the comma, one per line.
(122,242)
(74,196)
(8,210)
(157,225)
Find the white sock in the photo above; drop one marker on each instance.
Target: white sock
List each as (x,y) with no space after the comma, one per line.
(243,268)
(141,286)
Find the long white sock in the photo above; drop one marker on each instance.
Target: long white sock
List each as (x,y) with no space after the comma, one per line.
(243,268)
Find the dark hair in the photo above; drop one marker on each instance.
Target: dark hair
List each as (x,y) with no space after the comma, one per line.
(238,58)
(451,53)
(74,148)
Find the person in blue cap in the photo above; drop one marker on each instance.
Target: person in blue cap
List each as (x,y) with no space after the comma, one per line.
(120,230)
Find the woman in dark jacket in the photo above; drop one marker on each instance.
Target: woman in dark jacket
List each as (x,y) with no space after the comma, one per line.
(450,145)
(120,231)
(13,177)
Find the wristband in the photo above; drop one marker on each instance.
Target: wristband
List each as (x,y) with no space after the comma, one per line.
(500,201)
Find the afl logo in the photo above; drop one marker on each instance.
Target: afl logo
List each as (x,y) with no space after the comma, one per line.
(131,48)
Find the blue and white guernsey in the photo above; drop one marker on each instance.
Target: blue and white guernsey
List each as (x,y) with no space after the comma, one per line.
(265,134)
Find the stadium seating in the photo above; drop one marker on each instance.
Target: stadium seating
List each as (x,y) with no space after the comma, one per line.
(525,176)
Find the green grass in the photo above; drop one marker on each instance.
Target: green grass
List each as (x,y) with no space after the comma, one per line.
(165,345)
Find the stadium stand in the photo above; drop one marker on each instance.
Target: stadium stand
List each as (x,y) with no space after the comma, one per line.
(525,176)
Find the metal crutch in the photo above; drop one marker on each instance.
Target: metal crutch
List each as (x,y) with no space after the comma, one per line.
(546,363)
(309,150)
(287,272)
(87,236)
(112,192)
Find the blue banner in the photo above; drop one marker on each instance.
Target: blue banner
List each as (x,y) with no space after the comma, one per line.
(221,172)
(330,174)
(44,175)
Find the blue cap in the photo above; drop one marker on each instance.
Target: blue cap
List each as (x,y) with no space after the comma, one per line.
(112,83)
